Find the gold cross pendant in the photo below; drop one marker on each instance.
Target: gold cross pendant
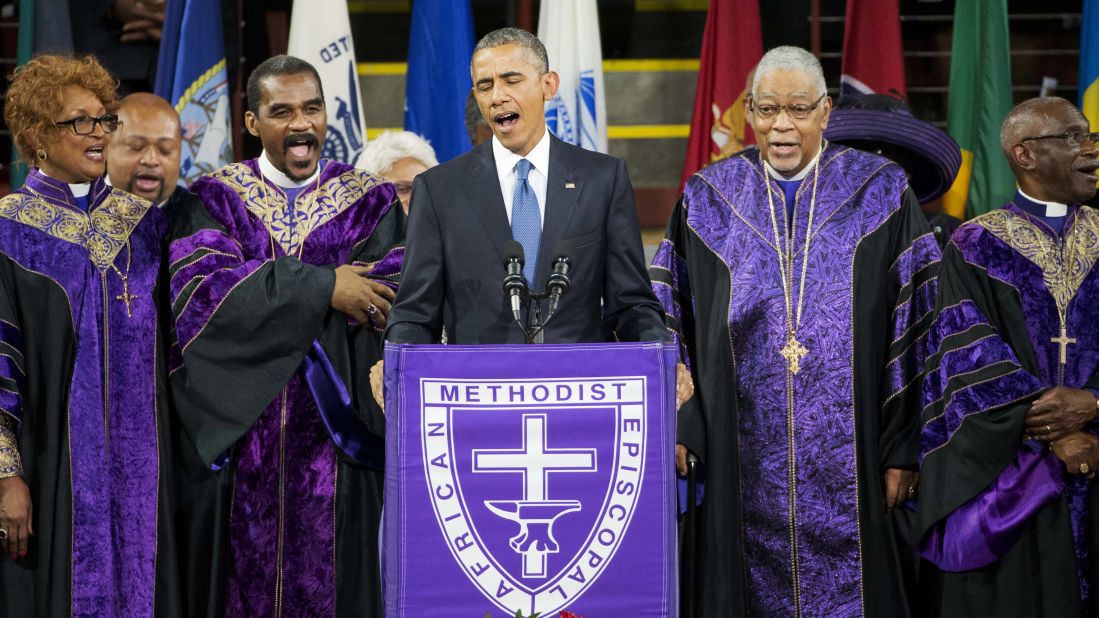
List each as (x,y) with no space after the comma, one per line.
(793,351)
(1063,342)
(126,297)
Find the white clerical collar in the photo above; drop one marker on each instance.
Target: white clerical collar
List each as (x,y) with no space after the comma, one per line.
(1053,209)
(78,190)
(506,159)
(272,173)
(798,176)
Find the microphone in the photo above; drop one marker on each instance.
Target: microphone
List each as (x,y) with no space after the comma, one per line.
(558,282)
(515,285)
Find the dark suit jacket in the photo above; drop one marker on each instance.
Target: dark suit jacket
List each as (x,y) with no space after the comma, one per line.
(458,224)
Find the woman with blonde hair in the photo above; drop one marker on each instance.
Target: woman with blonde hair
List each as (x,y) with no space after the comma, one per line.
(81,364)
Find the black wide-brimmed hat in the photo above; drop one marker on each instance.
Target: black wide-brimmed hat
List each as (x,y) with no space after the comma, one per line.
(933,157)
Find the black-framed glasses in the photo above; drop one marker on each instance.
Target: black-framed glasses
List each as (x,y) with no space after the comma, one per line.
(800,111)
(85,125)
(1075,139)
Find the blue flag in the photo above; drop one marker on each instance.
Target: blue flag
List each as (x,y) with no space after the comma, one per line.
(191,74)
(1089,63)
(439,49)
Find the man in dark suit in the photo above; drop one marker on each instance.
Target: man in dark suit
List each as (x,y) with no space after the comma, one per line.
(527,185)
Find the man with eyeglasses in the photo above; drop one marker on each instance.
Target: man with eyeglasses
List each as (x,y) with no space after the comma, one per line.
(797,278)
(1010,441)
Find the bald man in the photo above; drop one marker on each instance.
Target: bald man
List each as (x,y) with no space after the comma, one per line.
(143,154)
(1010,424)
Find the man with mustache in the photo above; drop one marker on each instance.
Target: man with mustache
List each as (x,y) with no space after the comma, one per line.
(797,277)
(280,285)
(1010,440)
(143,154)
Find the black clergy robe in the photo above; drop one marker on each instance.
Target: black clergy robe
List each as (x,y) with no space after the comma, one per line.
(1011,532)
(82,391)
(288,525)
(795,433)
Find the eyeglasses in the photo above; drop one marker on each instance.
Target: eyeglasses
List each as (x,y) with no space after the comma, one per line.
(83,125)
(1075,139)
(800,111)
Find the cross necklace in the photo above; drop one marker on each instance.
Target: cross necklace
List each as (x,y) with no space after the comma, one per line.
(1067,261)
(793,351)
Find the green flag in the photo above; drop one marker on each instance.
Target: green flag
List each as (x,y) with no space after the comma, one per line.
(23,52)
(980,96)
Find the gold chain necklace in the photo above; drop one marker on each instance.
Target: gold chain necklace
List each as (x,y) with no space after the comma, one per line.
(793,351)
(267,208)
(1060,295)
(125,296)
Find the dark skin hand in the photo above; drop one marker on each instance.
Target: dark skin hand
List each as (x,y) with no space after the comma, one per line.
(15,516)
(1078,449)
(142,20)
(1059,413)
(354,295)
(899,485)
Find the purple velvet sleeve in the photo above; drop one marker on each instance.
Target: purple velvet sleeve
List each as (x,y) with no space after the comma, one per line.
(11,371)
(982,530)
(668,273)
(205,267)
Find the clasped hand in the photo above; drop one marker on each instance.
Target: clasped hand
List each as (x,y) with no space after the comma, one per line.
(365,300)
(1059,413)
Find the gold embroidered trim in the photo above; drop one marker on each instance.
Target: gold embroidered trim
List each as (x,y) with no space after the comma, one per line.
(269,205)
(11,463)
(102,233)
(1062,277)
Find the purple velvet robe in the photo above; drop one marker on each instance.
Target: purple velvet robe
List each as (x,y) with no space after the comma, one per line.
(251,283)
(793,521)
(81,380)
(997,510)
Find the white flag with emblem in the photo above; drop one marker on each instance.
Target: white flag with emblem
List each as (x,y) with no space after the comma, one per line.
(320,34)
(570,31)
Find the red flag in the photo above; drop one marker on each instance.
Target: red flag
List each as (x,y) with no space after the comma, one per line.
(873,58)
(732,44)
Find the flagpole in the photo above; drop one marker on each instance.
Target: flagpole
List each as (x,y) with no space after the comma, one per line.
(525,15)
(238,88)
(814,27)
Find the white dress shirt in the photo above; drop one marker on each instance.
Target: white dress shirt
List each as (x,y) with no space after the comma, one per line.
(538,177)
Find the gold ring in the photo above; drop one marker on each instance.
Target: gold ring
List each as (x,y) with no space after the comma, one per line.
(1048,430)
(1084,468)
(911,491)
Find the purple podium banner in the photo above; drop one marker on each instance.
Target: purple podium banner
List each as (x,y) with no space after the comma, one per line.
(530,479)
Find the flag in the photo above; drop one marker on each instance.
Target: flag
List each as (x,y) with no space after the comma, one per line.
(979,98)
(1089,63)
(578,112)
(732,44)
(873,57)
(191,74)
(439,49)
(320,34)
(44,26)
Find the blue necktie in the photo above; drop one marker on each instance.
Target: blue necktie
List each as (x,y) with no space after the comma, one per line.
(526,220)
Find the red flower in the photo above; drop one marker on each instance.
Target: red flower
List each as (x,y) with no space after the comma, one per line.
(565,614)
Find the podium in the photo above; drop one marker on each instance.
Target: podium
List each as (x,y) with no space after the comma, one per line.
(530,479)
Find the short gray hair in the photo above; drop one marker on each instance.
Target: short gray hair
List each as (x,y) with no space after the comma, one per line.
(788,57)
(514,36)
(1022,118)
(391,146)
